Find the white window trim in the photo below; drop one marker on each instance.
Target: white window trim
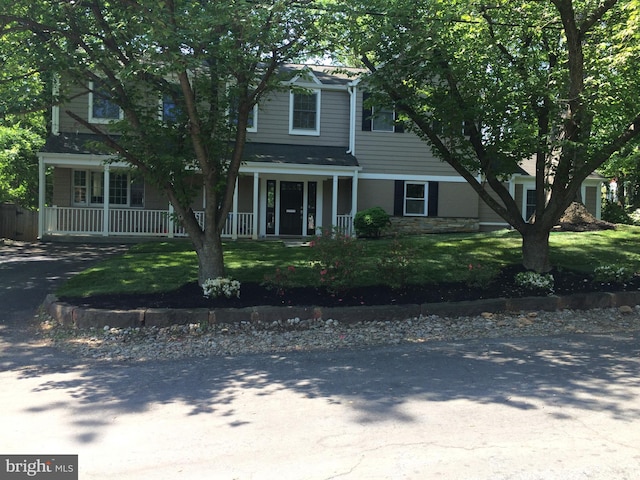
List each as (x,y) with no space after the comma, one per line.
(373,121)
(303,131)
(425,200)
(88,186)
(254,128)
(92,119)
(525,194)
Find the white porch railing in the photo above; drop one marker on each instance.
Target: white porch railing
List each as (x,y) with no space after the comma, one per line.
(345,224)
(130,222)
(144,223)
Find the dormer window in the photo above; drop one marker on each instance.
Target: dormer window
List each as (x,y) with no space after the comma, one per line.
(102,109)
(304,113)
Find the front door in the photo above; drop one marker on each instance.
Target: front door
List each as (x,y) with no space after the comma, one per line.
(291,205)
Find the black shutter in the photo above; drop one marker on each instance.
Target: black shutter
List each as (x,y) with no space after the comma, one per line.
(432,204)
(398,127)
(398,199)
(367,113)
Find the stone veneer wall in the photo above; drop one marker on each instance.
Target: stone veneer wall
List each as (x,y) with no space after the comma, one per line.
(419,225)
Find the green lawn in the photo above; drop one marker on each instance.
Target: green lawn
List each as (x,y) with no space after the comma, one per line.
(156,267)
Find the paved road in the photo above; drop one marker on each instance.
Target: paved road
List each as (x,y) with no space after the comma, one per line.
(537,408)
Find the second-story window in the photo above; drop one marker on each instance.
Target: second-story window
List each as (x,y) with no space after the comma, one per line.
(304,113)
(252,119)
(102,109)
(378,118)
(383,119)
(169,109)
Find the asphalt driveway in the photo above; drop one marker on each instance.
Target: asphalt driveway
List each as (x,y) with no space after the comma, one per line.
(562,407)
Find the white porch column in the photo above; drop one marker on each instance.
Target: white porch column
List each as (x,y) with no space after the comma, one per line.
(171,223)
(105,202)
(41,196)
(354,194)
(334,202)
(234,215)
(256,184)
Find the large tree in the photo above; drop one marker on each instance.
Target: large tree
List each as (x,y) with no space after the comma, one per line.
(490,84)
(215,60)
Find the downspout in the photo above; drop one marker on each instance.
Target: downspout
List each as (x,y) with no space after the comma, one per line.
(352,119)
(55,108)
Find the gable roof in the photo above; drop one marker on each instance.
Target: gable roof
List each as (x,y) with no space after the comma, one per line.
(527,168)
(324,74)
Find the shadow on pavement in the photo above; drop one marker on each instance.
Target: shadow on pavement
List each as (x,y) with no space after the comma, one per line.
(594,373)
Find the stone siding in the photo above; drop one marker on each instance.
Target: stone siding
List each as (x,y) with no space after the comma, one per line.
(419,225)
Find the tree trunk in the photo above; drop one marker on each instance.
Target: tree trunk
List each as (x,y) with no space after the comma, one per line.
(210,259)
(535,251)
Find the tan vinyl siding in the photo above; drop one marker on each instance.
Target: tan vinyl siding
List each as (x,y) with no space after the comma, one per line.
(62,187)
(245,195)
(395,153)
(79,105)
(376,193)
(273,121)
(486,213)
(457,200)
(154,199)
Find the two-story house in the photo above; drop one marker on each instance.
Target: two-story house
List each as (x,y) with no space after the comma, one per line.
(314,157)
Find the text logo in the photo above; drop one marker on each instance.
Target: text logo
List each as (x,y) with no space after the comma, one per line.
(50,467)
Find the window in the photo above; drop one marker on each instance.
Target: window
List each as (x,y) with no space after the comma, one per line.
(80,187)
(304,113)
(169,111)
(530,206)
(378,118)
(382,119)
(97,187)
(415,199)
(101,108)
(118,188)
(252,119)
(88,189)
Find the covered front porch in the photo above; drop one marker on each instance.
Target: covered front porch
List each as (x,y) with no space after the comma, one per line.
(274,197)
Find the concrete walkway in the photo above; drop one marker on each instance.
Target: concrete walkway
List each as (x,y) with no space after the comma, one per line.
(535,408)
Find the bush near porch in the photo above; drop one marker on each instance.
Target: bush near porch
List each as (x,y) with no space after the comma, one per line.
(432,259)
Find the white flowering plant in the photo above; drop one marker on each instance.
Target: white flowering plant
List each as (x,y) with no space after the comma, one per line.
(612,274)
(221,287)
(535,281)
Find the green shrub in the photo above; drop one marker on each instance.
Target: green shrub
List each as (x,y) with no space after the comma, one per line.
(336,258)
(615,213)
(535,282)
(480,276)
(395,266)
(612,274)
(371,222)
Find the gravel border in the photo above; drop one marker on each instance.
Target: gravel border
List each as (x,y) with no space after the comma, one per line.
(294,335)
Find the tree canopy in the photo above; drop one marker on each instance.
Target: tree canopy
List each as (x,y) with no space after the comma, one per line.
(213,60)
(488,86)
